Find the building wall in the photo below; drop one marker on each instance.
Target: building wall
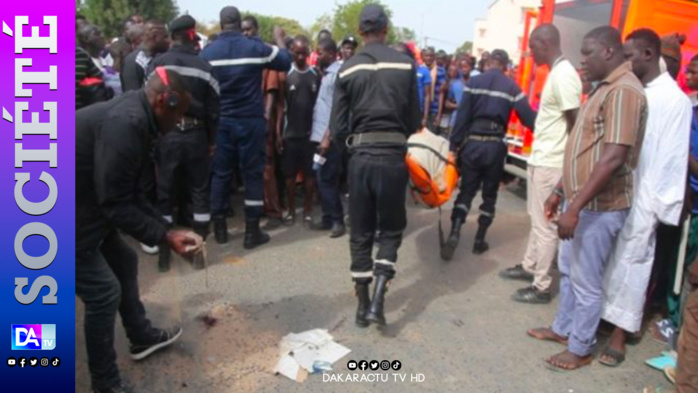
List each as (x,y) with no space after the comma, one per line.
(503,27)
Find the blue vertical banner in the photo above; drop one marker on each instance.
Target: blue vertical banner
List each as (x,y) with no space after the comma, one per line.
(37,205)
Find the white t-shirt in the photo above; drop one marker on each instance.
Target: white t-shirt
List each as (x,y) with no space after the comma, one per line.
(562,92)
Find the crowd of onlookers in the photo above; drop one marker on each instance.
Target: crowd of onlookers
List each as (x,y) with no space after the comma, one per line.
(103,70)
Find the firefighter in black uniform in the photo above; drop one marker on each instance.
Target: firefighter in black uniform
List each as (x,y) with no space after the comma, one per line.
(478,139)
(377,90)
(186,151)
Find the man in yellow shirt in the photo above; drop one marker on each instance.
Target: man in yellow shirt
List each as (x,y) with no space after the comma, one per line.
(560,102)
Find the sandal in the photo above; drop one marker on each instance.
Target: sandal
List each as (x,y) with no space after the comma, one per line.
(616,357)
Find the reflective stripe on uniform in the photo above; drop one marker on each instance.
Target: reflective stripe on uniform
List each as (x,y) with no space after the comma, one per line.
(461,206)
(253,203)
(246,60)
(375,67)
(494,93)
(486,214)
(362,274)
(196,73)
(386,262)
(202,217)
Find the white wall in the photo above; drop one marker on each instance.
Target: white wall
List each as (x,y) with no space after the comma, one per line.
(503,26)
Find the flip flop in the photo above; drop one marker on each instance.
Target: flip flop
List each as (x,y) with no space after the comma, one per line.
(670,374)
(558,369)
(616,357)
(657,389)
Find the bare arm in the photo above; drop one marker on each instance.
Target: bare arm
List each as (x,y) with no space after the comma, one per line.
(611,160)
(693,166)
(442,97)
(427,105)
(570,118)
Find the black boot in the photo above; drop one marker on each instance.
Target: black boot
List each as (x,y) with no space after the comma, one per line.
(375,312)
(480,246)
(449,247)
(201,229)
(253,235)
(220,229)
(164,256)
(364,304)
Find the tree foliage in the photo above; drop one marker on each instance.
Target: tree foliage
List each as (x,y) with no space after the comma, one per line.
(110,15)
(345,21)
(267,23)
(467,47)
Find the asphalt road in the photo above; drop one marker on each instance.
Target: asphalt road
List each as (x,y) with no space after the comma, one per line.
(451,322)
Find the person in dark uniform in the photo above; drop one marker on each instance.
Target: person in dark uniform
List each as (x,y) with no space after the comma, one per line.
(238,62)
(301,90)
(113,140)
(478,139)
(186,150)
(375,109)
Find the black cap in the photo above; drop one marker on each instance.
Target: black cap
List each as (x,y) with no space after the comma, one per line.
(372,19)
(350,39)
(184,22)
(500,55)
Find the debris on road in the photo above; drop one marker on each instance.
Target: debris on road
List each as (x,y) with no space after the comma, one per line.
(312,351)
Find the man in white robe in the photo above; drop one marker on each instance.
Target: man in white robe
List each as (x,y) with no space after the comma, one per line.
(660,181)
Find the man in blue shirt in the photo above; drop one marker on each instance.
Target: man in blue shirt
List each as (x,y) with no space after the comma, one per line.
(455,89)
(238,62)
(438,77)
(424,91)
(328,173)
(423,82)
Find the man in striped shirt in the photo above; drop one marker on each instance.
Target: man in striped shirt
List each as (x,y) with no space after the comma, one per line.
(597,184)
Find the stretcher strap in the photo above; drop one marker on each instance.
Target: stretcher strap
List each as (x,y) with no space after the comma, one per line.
(438,154)
(441,230)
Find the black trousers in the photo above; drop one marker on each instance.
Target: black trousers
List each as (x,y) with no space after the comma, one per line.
(481,165)
(328,184)
(106,280)
(184,153)
(377,188)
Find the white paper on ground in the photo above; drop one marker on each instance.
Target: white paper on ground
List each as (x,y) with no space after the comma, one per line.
(299,352)
(287,366)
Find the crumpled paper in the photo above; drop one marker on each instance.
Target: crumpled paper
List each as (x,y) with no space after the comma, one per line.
(300,351)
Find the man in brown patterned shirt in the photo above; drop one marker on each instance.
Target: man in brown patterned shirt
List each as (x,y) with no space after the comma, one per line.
(597,185)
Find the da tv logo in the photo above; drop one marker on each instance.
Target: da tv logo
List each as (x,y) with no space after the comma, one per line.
(33,337)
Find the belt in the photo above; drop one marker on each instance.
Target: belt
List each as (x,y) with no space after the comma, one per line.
(484,138)
(189,122)
(486,125)
(376,138)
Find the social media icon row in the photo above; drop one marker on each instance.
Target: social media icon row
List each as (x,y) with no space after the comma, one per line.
(33,362)
(374,365)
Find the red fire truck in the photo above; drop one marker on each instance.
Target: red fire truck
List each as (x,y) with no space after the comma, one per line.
(574,18)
